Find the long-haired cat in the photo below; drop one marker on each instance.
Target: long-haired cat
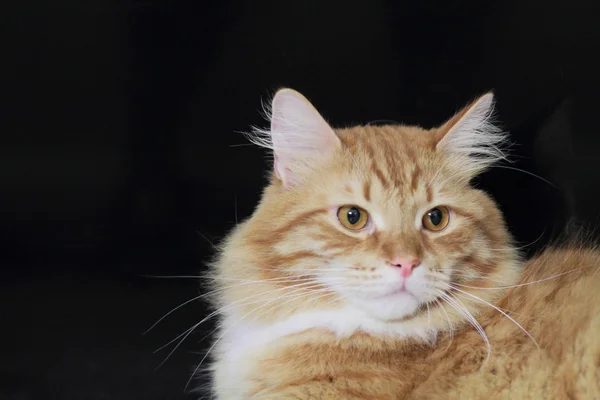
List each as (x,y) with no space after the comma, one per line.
(373,269)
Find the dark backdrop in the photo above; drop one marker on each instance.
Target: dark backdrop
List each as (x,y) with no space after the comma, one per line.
(120,156)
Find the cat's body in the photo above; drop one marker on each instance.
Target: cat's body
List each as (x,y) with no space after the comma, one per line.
(373,270)
(562,314)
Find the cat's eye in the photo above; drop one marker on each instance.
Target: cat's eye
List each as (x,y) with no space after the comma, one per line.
(353,218)
(436,219)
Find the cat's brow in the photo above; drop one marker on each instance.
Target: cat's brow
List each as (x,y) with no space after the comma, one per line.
(379,174)
(367,190)
(415,178)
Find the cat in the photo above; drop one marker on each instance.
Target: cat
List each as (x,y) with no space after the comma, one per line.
(373,269)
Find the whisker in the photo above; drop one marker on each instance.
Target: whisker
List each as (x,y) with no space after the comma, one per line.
(234,304)
(189,331)
(296,287)
(450,326)
(235,208)
(464,275)
(284,296)
(200,297)
(172,311)
(231,326)
(207,239)
(446,287)
(460,307)
(220,278)
(185,336)
(520,284)
(241,145)
(501,312)
(528,173)
(523,246)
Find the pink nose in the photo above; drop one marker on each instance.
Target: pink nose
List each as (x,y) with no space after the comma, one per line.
(406,265)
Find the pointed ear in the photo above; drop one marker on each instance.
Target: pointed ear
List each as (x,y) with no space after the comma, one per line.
(471,137)
(299,136)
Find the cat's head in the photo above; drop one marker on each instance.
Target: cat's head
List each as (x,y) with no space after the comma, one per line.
(379,218)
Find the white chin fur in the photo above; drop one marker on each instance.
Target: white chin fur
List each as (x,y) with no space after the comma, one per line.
(395,306)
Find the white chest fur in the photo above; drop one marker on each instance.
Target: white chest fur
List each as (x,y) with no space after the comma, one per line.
(241,339)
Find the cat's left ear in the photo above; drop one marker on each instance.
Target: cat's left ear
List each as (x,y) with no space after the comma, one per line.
(471,137)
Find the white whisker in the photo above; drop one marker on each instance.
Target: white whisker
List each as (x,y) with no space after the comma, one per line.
(501,312)
(527,173)
(235,304)
(520,284)
(450,326)
(460,307)
(172,311)
(242,318)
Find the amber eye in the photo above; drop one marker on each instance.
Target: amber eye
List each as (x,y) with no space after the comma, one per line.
(436,219)
(353,217)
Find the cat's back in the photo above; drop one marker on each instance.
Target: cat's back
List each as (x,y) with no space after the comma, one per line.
(558,283)
(544,336)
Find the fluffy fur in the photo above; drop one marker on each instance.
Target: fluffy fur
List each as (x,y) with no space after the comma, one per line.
(311,310)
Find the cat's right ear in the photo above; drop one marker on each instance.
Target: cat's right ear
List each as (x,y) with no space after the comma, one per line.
(299,136)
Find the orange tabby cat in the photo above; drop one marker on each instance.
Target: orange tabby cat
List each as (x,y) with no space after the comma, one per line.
(371,269)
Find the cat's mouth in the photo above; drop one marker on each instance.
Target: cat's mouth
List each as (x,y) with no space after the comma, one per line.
(399,293)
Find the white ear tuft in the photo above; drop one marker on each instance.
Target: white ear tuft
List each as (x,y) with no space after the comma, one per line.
(299,136)
(471,134)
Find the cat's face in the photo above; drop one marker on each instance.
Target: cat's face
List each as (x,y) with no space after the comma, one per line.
(379,218)
(397,224)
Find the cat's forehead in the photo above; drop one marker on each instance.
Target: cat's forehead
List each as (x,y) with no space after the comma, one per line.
(400,146)
(400,157)
(385,134)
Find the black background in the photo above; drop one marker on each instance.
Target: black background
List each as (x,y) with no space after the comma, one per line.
(121,157)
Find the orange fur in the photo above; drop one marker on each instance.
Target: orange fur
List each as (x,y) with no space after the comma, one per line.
(292,258)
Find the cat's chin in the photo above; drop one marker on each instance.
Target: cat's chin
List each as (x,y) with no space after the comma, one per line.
(391,306)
